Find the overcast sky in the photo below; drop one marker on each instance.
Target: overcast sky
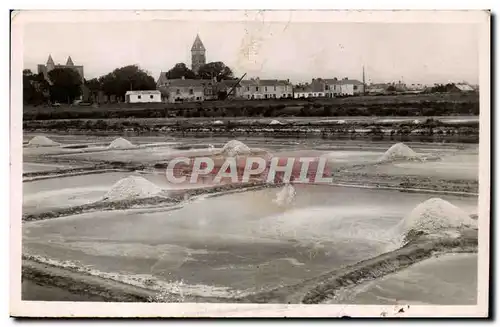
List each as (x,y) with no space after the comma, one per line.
(414,53)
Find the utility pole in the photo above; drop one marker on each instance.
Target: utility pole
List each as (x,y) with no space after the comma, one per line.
(364,83)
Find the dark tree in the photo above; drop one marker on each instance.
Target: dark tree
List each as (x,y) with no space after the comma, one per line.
(65,85)
(180,70)
(94,86)
(29,90)
(124,79)
(215,69)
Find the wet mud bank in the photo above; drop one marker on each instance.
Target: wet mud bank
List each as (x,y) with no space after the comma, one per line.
(408,183)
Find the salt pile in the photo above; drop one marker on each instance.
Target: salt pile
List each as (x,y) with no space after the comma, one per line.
(399,151)
(120,143)
(435,215)
(218,122)
(234,148)
(275,122)
(285,196)
(132,187)
(42,141)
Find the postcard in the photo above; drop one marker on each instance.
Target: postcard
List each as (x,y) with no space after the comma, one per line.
(250,163)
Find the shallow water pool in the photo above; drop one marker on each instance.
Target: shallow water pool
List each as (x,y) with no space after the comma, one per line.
(450,279)
(242,241)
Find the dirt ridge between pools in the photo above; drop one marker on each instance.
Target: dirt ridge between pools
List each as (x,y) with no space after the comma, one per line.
(320,288)
(86,285)
(100,206)
(69,173)
(174,198)
(408,182)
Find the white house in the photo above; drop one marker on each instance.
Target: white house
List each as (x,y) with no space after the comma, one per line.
(142,96)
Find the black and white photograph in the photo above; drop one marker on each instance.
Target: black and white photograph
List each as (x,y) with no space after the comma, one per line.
(250,163)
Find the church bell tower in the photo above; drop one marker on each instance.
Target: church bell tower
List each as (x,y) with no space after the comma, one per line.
(198,58)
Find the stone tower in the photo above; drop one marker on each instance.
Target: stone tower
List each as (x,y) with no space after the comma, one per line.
(198,58)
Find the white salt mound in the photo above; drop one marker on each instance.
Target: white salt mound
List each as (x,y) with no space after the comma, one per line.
(218,122)
(234,148)
(132,187)
(42,141)
(120,143)
(399,151)
(435,215)
(275,122)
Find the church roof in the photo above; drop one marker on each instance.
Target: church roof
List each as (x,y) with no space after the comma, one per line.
(69,62)
(50,61)
(198,45)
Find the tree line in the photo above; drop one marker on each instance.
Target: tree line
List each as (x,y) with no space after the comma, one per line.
(65,85)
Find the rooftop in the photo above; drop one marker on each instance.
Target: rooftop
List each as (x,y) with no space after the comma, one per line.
(142,92)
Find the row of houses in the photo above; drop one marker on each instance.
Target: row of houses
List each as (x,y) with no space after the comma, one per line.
(192,90)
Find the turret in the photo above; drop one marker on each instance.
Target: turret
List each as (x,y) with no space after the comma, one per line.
(69,62)
(50,64)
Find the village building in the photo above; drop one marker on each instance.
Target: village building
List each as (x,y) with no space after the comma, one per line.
(342,87)
(462,87)
(50,65)
(185,90)
(317,89)
(143,96)
(226,88)
(257,88)
(198,55)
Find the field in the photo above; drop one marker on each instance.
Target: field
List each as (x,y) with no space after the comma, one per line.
(335,242)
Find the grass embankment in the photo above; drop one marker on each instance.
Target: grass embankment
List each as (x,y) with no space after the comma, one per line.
(391,105)
(429,127)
